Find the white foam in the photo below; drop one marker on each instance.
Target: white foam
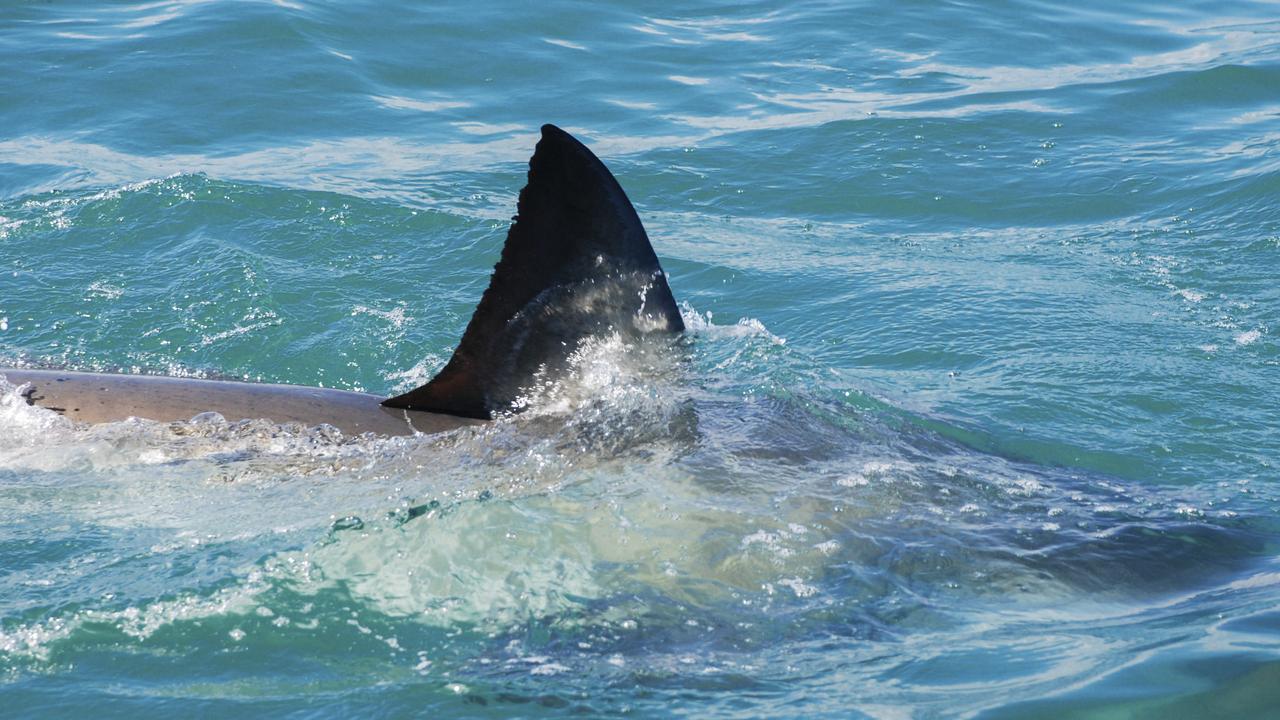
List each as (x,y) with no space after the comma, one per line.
(270,321)
(419,374)
(23,425)
(879,470)
(34,639)
(799,587)
(701,324)
(104,290)
(1248,338)
(396,316)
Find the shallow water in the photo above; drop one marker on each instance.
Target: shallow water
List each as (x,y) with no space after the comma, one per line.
(975,416)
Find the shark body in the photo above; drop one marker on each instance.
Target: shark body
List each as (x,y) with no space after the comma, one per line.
(577,262)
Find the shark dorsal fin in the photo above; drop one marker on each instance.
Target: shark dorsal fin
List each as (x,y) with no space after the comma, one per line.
(576,262)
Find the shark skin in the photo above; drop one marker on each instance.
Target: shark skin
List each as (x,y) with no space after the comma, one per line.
(102,397)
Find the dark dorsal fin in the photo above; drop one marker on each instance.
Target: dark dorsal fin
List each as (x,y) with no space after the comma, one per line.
(577,262)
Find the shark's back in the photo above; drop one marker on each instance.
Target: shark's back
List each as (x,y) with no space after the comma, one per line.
(100,397)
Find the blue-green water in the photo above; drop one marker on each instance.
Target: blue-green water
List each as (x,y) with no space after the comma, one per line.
(976,416)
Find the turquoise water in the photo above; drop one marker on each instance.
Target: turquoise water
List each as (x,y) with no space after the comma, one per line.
(975,417)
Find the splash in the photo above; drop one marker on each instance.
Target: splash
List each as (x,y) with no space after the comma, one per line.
(701,323)
(24,425)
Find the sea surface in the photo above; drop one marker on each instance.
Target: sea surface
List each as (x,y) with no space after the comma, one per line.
(976,415)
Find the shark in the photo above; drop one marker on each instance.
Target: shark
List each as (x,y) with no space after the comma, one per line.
(576,263)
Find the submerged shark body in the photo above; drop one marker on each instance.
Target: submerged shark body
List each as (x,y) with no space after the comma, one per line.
(577,263)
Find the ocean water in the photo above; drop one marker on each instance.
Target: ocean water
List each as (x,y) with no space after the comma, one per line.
(976,415)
